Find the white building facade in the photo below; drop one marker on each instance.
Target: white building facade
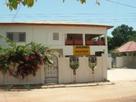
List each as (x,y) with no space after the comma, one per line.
(68,39)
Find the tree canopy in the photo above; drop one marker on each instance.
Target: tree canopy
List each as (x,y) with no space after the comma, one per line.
(121,35)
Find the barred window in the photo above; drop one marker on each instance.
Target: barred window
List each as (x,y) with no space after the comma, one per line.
(10,35)
(17,36)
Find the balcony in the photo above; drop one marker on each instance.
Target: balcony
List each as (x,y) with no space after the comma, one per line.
(69,42)
(90,42)
(74,42)
(95,42)
(90,39)
(94,39)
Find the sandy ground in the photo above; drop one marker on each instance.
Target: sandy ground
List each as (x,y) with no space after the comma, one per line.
(121,91)
(122,74)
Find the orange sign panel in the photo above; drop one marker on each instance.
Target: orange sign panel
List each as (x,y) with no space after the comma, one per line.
(81,50)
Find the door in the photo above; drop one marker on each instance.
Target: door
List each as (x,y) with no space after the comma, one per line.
(51,71)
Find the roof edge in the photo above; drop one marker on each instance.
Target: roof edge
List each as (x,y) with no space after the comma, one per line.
(56,23)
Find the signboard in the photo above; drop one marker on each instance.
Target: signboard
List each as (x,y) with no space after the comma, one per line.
(81,50)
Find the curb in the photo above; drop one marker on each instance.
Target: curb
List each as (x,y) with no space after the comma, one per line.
(76,85)
(47,86)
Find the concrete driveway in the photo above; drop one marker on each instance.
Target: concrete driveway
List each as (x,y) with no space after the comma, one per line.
(122,74)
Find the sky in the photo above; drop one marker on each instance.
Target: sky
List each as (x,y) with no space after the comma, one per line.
(111,12)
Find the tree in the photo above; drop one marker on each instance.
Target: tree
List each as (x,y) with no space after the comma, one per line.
(13,4)
(133,37)
(121,35)
(110,46)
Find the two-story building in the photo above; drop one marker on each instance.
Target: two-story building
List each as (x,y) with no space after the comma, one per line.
(66,38)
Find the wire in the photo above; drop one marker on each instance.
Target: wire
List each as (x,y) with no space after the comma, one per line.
(15,15)
(122,4)
(106,18)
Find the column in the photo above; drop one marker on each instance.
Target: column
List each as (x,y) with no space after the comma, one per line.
(83,39)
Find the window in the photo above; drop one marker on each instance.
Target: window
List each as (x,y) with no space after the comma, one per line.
(99,53)
(17,36)
(55,36)
(22,37)
(10,36)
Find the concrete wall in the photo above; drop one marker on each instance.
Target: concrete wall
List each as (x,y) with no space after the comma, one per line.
(8,79)
(122,61)
(126,61)
(84,73)
(65,73)
(109,62)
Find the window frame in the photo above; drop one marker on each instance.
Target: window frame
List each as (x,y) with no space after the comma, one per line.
(16,36)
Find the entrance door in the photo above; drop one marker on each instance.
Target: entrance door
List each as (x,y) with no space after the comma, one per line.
(51,71)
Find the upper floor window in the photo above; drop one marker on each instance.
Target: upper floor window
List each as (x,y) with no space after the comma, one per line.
(17,36)
(55,36)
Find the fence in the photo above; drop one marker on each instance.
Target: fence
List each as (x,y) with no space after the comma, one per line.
(122,61)
(8,79)
(65,73)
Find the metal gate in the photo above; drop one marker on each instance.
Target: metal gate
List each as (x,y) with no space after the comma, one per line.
(51,71)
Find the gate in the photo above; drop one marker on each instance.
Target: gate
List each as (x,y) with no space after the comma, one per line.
(51,71)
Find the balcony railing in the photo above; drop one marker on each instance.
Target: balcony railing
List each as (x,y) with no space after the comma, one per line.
(87,42)
(95,42)
(74,42)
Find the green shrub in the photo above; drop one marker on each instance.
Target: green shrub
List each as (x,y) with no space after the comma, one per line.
(23,60)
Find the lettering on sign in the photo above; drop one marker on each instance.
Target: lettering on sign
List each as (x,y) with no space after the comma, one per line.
(81,50)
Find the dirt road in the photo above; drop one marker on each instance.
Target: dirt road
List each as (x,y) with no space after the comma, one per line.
(121,99)
(119,92)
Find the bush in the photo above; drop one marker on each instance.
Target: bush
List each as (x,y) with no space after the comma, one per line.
(23,60)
